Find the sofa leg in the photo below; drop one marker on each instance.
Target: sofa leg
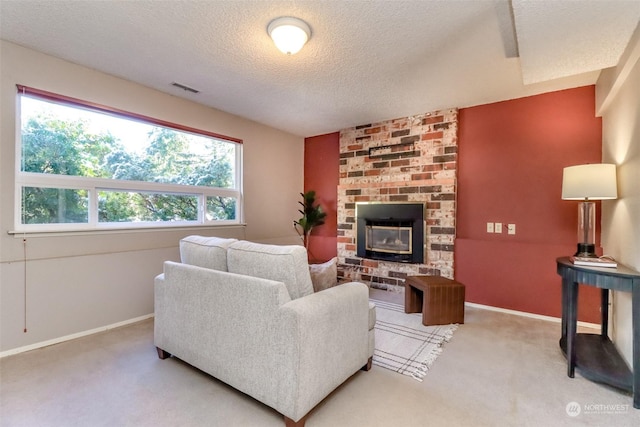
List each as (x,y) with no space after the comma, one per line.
(368,365)
(288,422)
(163,354)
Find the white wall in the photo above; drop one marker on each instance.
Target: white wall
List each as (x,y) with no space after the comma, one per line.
(618,101)
(77,282)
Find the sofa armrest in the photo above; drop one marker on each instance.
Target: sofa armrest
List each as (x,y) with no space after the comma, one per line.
(329,331)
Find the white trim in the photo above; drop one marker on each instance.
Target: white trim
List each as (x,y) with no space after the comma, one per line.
(149,316)
(530,315)
(76,182)
(73,336)
(123,230)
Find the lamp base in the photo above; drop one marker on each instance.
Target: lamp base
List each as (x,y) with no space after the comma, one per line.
(586,250)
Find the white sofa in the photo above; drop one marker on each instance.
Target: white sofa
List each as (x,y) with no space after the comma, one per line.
(246,314)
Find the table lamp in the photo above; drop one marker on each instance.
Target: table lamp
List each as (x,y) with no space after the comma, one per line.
(586,183)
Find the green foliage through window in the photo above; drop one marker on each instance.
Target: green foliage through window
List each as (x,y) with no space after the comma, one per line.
(135,172)
(54,205)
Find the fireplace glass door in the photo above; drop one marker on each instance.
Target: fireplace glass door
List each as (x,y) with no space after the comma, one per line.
(391,232)
(388,239)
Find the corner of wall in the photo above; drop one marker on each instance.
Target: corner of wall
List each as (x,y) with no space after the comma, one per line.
(619,106)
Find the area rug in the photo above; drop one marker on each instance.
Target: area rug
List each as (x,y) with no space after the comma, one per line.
(403,343)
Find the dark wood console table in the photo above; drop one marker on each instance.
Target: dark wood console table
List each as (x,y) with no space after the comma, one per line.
(595,356)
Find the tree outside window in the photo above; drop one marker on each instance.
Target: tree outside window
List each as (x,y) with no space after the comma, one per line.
(79,166)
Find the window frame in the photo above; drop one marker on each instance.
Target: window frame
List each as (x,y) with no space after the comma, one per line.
(94,185)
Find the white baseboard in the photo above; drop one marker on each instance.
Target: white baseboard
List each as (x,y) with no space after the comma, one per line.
(530,315)
(148,316)
(72,336)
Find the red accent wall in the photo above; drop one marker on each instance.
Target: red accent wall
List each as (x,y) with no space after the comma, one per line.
(510,161)
(321,173)
(511,156)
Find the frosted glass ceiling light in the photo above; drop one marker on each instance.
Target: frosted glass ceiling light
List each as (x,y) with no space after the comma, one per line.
(289,34)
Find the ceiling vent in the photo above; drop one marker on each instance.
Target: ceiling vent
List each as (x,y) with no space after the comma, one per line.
(185,87)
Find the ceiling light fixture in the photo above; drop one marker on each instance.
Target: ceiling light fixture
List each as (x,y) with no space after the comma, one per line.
(289,34)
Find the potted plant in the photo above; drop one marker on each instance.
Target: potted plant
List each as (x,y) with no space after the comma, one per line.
(312,216)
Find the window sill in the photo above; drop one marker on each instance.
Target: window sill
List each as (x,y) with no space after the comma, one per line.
(124,230)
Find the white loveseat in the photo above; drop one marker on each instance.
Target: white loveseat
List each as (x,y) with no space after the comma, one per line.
(246,314)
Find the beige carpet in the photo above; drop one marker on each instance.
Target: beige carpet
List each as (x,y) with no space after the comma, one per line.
(499,370)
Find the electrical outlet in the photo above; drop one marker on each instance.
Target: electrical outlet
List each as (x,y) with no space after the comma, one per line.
(511,229)
(498,227)
(489,227)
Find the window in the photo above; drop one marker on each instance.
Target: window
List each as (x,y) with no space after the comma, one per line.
(82,166)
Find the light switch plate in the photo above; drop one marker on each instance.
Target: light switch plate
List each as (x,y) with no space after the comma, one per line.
(497,227)
(511,229)
(489,227)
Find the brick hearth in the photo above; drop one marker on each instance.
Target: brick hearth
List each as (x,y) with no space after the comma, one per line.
(414,159)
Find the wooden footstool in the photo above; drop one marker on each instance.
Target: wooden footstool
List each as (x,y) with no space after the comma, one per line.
(441,300)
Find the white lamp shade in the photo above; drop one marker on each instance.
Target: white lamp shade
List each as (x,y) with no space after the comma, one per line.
(589,182)
(289,34)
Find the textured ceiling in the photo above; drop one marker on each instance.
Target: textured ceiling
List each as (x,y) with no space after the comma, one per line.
(563,38)
(365,61)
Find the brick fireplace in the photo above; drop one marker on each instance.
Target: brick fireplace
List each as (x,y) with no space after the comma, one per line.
(406,160)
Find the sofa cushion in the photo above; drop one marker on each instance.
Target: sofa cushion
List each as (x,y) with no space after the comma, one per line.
(325,275)
(287,264)
(207,252)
